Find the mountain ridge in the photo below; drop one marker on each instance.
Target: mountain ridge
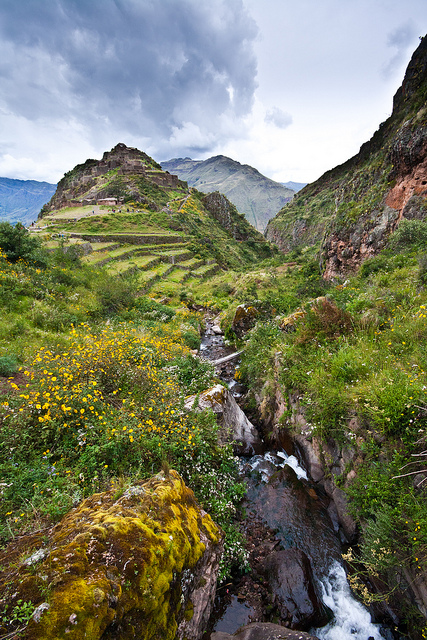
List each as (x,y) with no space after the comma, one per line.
(255,195)
(21,200)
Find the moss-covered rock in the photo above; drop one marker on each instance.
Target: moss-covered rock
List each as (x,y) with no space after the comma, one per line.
(244,319)
(140,565)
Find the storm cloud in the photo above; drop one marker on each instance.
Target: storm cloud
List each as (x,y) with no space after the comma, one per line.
(291,88)
(154,70)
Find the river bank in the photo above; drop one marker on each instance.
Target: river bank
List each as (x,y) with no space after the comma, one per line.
(294,543)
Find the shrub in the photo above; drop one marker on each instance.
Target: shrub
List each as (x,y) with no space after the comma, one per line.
(114,294)
(422,269)
(194,374)
(324,320)
(373,265)
(17,244)
(409,234)
(8,366)
(191,339)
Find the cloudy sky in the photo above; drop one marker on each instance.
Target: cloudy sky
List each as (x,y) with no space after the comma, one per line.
(291,87)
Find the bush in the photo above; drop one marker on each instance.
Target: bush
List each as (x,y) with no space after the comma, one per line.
(17,244)
(194,374)
(324,320)
(422,269)
(114,294)
(373,265)
(8,366)
(409,234)
(191,339)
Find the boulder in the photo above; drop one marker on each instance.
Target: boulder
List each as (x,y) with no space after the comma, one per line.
(234,425)
(294,590)
(244,319)
(142,564)
(263,631)
(340,500)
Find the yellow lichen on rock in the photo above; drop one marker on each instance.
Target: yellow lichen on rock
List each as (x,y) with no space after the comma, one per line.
(121,568)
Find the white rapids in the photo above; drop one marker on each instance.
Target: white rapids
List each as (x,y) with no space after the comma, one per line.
(270,462)
(352,621)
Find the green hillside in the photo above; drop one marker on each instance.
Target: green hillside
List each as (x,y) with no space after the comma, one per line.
(150,219)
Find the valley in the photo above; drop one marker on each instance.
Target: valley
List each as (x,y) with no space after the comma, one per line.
(141,478)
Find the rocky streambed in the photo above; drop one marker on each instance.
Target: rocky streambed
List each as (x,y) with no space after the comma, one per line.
(294,538)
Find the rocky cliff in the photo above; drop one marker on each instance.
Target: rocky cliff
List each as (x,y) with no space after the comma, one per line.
(352,210)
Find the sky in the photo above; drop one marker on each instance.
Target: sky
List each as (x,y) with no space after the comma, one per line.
(290,87)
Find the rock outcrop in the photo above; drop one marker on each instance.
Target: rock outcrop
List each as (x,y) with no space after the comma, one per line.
(294,590)
(244,319)
(142,564)
(234,425)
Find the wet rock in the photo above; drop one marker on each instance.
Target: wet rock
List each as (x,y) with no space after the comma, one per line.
(312,457)
(299,519)
(341,504)
(144,564)
(244,319)
(263,631)
(294,591)
(235,426)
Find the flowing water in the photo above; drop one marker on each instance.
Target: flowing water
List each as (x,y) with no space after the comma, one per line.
(280,494)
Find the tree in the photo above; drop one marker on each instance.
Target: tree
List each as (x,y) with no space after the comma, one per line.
(17,243)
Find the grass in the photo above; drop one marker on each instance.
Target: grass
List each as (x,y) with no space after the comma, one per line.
(92,384)
(175,276)
(137,262)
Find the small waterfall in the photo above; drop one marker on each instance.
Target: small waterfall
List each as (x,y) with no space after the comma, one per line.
(352,620)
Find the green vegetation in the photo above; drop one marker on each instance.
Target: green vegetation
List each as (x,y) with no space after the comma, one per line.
(357,360)
(18,244)
(93,380)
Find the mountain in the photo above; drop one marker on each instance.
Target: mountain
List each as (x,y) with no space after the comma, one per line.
(351,211)
(295,186)
(126,198)
(21,200)
(258,197)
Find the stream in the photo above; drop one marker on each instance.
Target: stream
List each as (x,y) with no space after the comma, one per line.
(291,539)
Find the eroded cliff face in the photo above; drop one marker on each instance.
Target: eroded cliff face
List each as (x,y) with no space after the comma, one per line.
(352,210)
(405,197)
(143,564)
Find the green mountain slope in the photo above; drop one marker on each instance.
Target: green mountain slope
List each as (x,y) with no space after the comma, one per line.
(258,197)
(350,212)
(128,214)
(21,200)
